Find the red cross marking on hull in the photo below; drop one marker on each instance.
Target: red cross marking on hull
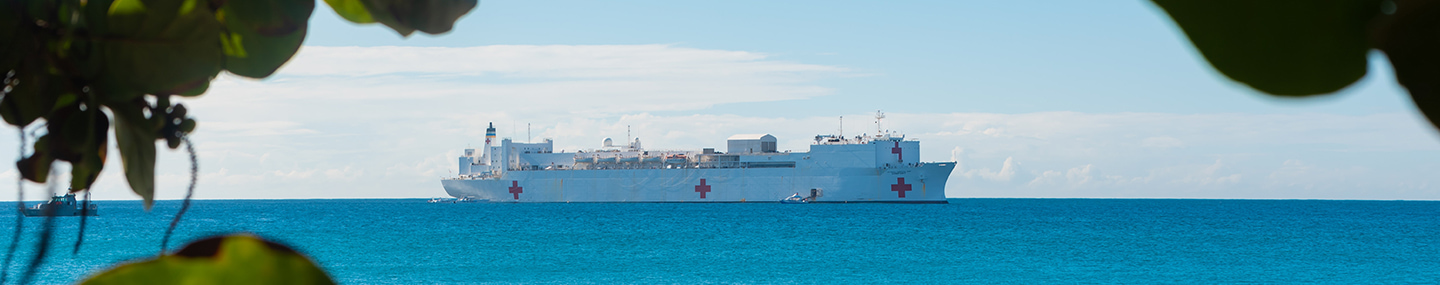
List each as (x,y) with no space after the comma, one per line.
(898,156)
(702,188)
(516,189)
(900,186)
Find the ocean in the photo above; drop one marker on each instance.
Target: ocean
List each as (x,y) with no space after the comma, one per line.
(409,241)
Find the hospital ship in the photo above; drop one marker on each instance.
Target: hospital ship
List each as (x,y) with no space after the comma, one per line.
(879,168)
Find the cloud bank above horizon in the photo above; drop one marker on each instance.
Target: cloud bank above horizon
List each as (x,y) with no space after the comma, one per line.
(356,122)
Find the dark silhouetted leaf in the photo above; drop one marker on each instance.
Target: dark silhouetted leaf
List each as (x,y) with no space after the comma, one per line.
(32,96)
(1411,38)
(84,172)
(193,88)
(172,47)
(135,138)
(1281,47)
(429,16)
(37,166)
(78,135)
(235,259)
(18,43)
(263,34)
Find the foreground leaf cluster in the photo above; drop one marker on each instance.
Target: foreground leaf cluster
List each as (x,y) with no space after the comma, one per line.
(66,62)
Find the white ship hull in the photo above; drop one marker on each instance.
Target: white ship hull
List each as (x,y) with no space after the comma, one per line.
(924,183)
(870,168)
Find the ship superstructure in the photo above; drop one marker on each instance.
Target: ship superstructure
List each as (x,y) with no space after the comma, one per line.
(867,168)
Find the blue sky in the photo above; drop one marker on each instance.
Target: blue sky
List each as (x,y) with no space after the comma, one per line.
(961,56)
(1033,98)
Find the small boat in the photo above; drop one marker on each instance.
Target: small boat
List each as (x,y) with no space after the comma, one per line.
(61,206)
(466,199)
(795,199)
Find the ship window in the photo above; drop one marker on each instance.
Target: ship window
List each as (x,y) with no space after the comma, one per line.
(767,146)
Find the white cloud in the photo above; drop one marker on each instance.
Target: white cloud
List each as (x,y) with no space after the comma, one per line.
(1170,155)
(382,158)
(557,79)
(257,128)
(347,122)
(1209,175)
(544,61)
(1006,172)
(295,174)
(346,173)
(1162,142)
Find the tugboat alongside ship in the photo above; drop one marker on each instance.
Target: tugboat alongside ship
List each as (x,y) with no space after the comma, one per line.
(453,200)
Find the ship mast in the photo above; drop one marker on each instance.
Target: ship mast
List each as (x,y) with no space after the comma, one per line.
(879,117)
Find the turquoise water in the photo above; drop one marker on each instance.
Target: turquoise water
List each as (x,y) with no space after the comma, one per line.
(408,241)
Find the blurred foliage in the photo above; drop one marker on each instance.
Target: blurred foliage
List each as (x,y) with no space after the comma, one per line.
(1307,47)
(233,259)
(64,61)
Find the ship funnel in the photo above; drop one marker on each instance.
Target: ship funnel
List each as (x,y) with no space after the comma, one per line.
(490,134)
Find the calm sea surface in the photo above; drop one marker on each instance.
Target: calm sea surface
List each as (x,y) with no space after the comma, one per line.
(409,241)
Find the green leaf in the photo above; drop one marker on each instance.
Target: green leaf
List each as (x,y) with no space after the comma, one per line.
(235,259)
(188,5)
(37,166)
(135,138)
(1411,38)
(263,34)
(19,42)
(429,16)
(187,126)
(33,96)
(351,10)
(1281,47)
(125,7)
(192,88)
(84,171)
(74,135)
(168,49)
(77,134)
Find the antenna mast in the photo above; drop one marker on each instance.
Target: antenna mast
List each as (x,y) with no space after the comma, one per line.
(879,117)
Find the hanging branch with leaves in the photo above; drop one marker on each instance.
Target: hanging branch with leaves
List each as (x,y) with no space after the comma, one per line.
(65,61)
(81,68)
